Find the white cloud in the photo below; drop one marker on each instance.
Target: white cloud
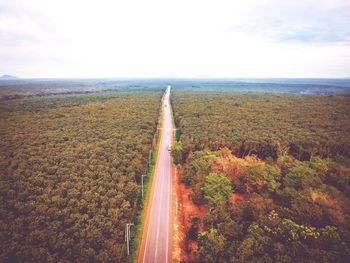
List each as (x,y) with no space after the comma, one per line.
(265,38)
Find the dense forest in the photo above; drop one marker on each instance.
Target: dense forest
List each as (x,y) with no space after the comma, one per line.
(263,124)
(70,170)
(272,172)
(286,211)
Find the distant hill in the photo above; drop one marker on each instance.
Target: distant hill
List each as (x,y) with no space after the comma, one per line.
(7,77)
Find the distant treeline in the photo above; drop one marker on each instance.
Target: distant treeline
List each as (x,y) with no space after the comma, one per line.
(23,88)
(19,88)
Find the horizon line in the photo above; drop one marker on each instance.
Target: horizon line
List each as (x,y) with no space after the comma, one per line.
(12,77)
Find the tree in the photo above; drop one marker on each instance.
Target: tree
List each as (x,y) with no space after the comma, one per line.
(211,246)
(217,188)
(193,231)
(176,152)
(254,178)
(301,176)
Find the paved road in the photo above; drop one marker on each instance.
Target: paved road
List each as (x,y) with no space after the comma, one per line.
(157,236)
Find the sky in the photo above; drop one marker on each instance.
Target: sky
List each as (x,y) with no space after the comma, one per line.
(179,38)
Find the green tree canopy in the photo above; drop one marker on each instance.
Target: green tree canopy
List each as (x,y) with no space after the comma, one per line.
(217,188)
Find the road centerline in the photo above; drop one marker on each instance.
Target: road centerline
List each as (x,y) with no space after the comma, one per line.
(156,238)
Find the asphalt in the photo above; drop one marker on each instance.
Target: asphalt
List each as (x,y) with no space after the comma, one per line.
(157,235)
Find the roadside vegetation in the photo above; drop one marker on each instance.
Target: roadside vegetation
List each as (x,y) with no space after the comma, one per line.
(70,170)
(272,173)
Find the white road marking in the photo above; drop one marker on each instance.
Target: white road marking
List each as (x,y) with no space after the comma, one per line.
(158,223)
(167,220)
(148,229)
(159,186)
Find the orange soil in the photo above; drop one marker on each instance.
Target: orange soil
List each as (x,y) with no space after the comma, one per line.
(176,252)
(236,197)
(186,210)
(185,249)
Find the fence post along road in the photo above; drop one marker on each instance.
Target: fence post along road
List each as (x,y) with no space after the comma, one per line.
(157,233)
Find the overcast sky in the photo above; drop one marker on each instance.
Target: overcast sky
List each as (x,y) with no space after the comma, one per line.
(179,38)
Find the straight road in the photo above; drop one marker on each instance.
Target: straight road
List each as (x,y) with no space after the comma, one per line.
(157,234)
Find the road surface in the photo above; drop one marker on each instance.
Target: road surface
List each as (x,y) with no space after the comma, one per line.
(157,234)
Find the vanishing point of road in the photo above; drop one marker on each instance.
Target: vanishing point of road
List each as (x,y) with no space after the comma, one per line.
(157,234)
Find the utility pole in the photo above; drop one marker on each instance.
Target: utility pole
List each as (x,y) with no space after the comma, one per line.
(127,236)
(149,158)
(143,175)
